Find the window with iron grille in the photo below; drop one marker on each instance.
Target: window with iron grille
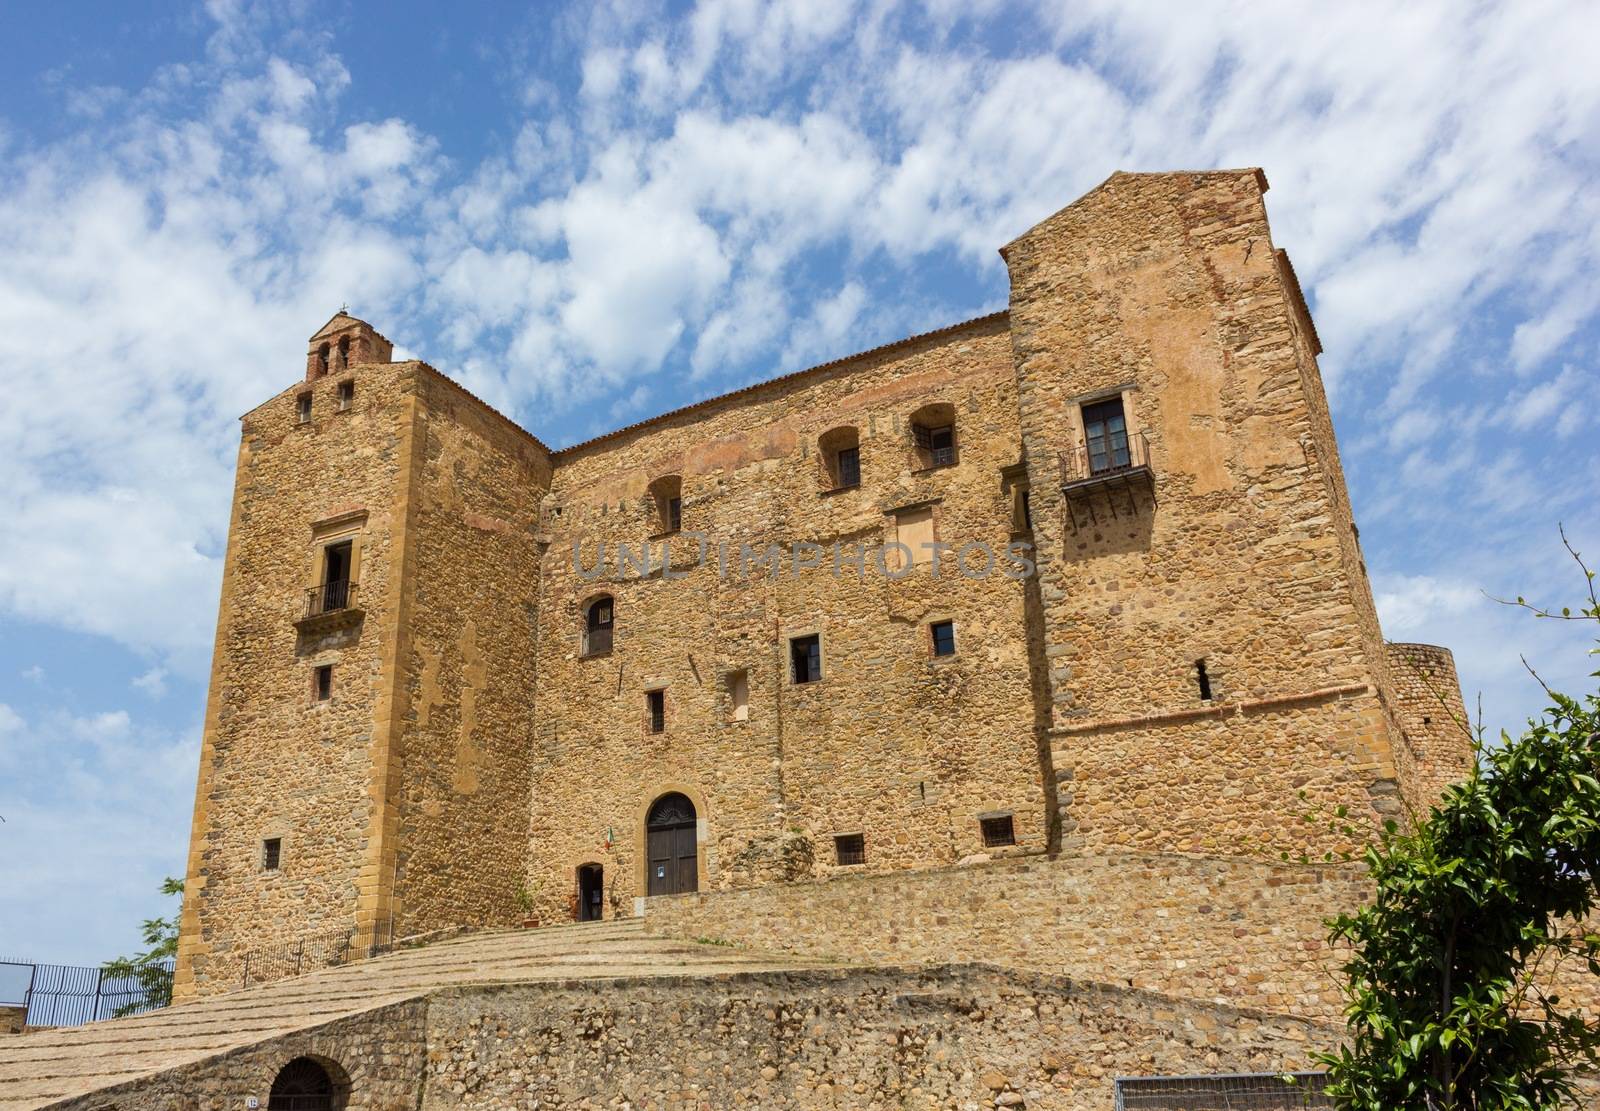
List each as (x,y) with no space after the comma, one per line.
(674,514)
(850,848)
(656,701)
(322,683)
(805,658)
(944,638)
(271,853)
(997,831)
(848,465)
(938,444)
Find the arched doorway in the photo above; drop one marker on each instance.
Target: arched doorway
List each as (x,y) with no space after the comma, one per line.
(303,1085)
(670,850)
(591,892)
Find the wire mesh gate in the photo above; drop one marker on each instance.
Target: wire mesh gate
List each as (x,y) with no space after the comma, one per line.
(1224,1092)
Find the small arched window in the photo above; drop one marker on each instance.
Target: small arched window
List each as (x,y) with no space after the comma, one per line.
(933,435)
(344,351)
(599,618)
(667,494)
(322,360)
(840,451)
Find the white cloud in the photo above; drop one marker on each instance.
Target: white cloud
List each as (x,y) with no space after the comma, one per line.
(152,682)
(89,803)
(33,674)
(666,226)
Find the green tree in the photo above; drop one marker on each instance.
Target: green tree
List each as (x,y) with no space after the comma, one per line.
(1450,984)
(149,969)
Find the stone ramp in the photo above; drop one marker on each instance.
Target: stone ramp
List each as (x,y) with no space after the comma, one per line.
(41,1068)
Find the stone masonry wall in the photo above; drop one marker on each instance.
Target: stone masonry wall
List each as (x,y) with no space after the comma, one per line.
(275,762)
(1243,932)
(1428,700)
(938,1037)
(933,1038)
(468,691)
(378,1057)
(894,744)
(1164,289)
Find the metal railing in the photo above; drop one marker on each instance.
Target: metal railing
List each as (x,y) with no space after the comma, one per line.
(330,597)
(1224,1092)
(1105,459)
(71,995)
(270,963)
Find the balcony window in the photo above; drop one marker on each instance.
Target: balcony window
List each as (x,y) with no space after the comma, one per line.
(1105,434)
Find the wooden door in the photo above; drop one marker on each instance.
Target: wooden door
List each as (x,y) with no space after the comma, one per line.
(670,847)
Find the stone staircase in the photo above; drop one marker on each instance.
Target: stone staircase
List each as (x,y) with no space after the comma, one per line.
(44,1067)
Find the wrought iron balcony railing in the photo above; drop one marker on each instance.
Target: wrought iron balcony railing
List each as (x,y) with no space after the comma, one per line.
(1105,459)
(331,597)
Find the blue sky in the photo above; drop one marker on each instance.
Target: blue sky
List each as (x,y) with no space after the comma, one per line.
(592,213)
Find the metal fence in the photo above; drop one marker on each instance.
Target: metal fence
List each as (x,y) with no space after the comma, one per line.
(71,995)
(313,951)
(1224,1092)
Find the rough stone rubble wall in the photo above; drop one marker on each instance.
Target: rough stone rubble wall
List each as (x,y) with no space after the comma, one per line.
(1245,932)
(962,1037)
(1438,731)
(379,1056)
(892,743)
(274,762)
(462,790)
(1167,285)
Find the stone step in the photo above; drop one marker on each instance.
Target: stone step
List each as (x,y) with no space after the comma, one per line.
(39,1068)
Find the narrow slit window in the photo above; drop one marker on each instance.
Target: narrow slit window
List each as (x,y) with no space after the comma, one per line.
(656,705)
(322,682)
(805,659)
(302,408)
(1022,512)
(1202,680)
(997,831)
(347,395)
(667,493)
(739,696)
(850,848)
(944,638)
(271,853)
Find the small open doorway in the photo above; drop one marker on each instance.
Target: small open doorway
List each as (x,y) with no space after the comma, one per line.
(591,892)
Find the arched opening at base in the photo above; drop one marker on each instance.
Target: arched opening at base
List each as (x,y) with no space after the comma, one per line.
(671,846)
(306,1084)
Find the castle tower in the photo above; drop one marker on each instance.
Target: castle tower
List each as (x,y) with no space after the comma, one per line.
(1216,670)
(327,766)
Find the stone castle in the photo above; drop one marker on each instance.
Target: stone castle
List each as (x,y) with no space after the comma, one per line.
(463,679)
(1031,641)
